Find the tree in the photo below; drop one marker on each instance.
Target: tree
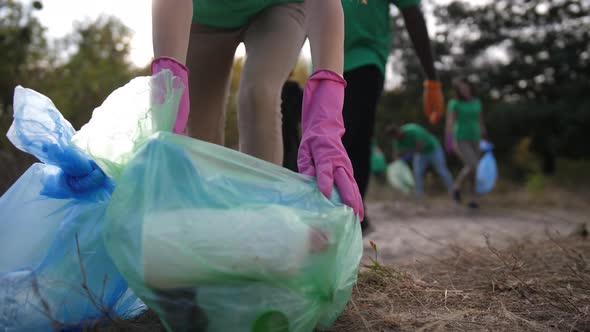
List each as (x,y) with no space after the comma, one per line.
(22,46)
(77,82)
(99,64)
(528,60)
(519,50)
(532,58)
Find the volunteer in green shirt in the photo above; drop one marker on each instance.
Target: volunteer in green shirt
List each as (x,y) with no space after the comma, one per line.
(367,45)
(205,35)
(426,150)
(464,130)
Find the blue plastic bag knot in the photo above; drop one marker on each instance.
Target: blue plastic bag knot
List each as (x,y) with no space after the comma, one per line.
(92,186)
(96,178)
(70,159)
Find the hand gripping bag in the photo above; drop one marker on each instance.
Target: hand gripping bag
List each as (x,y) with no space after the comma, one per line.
(127,117)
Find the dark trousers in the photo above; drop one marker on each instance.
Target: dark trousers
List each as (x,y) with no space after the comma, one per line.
(361,96)
(291,102)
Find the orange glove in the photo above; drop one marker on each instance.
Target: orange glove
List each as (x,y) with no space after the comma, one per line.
(433,101)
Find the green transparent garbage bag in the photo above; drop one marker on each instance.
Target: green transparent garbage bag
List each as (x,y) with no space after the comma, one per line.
(216,240)
(127,117)
(279,224)
(206,235)
(400,176)
(378,162)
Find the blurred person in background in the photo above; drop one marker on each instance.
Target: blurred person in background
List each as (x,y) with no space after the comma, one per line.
(463,132)
(367,45)
(426,151)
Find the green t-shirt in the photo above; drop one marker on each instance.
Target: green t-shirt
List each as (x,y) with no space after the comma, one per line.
(367,31)
(413,134)
(466,126)
(229,14)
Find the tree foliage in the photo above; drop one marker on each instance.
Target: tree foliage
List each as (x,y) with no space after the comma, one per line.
(529,61)
(22,48)
(77,72)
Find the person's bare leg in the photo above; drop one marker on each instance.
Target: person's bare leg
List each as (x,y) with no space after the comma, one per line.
(210,60)
(465,172)
(273,43)
(171,20)
(468,155)
(325,28)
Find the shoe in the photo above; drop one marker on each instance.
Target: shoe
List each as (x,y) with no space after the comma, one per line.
(366,226)
(457,196)
(473,205)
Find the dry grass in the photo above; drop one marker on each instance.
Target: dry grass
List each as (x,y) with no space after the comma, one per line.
(506,196)
(542,286)
(526,287)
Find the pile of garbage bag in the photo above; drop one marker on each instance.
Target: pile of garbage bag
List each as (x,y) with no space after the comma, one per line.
(123,212)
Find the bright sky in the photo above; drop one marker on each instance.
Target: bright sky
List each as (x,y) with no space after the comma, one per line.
(59,17)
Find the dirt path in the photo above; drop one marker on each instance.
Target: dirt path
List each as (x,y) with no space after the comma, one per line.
(406,231)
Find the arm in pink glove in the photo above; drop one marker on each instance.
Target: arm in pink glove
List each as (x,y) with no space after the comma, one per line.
(321,153)
(171,22)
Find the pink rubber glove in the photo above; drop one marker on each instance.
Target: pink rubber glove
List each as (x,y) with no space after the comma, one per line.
(321,153)
(180,71)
